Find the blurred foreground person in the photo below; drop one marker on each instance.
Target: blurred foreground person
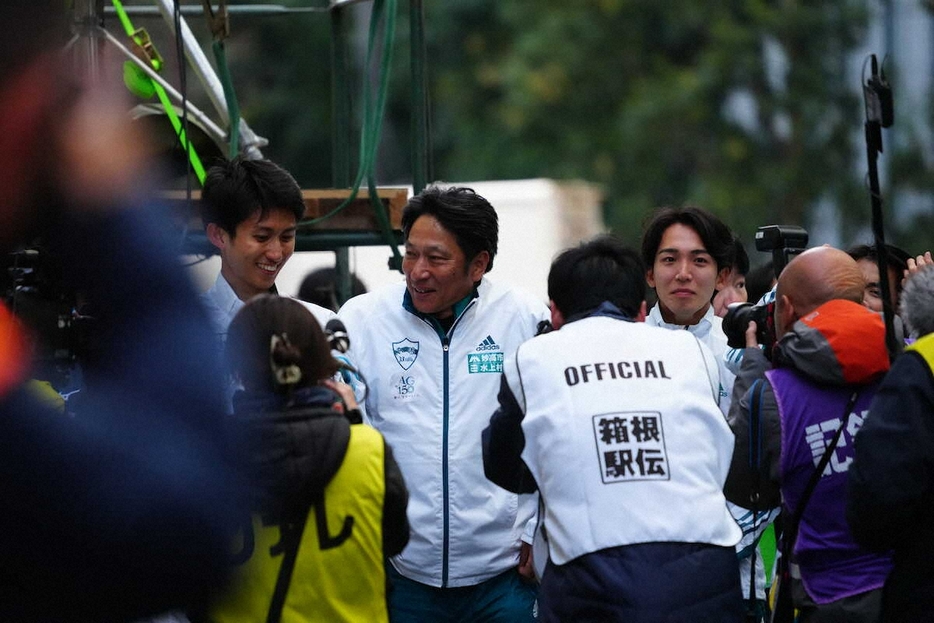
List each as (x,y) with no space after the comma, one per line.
(616,423)
(328,501)
(891,480)
(121,511)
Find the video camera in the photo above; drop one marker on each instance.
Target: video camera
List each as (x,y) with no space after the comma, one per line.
(784,242)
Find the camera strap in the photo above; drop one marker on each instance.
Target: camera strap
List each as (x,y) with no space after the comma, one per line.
(755,466)
(792,529)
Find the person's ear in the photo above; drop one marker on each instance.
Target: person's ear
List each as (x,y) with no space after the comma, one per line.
(557,318)
(640,317)
(478,265)
(650,277)
(723,278)
(217,236)
(785,315)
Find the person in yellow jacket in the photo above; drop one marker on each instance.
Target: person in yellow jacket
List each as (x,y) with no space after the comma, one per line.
(328,500)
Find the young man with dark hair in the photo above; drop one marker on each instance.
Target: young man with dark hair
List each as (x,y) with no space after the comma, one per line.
(689,254)
(616,424)
(431,350)
(250,210)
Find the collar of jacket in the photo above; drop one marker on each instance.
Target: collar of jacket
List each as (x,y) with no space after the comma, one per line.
(257,402)
(459,308)
(606,309)
(839,343)
(700,329)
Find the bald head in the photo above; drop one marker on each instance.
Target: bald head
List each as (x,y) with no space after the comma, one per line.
(811,279)
(819,275)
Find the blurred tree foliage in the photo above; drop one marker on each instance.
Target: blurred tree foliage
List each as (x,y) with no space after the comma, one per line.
(740,106)
(746,107)
(281,67)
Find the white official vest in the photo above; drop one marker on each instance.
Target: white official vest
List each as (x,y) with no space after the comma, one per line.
(623,436)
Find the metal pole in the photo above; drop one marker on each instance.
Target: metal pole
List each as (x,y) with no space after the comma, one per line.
(212,129)
(421,114)
(340,102)
(212,85)
(340,138)
(879,114)
(87,18)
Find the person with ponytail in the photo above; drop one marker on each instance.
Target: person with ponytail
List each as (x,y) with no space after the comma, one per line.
(327,499)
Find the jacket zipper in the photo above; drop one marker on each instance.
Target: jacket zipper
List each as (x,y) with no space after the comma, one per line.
(445,492)
(445,555)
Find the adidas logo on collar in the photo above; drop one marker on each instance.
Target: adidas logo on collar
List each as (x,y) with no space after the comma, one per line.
(488,344)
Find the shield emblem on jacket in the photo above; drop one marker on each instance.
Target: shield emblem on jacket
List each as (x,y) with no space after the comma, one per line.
(406,352)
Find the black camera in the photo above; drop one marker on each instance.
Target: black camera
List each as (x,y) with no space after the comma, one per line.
(737,319)
(784,241)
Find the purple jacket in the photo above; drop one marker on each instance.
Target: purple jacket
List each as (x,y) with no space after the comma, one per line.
(828,354)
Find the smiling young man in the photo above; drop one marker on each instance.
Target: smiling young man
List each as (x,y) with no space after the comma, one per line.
(432,350)
(250,210)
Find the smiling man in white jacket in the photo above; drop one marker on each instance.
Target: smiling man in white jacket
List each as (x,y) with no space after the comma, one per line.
(431,352)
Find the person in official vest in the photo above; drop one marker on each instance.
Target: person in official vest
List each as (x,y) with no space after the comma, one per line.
(616,423)
(828,362)
(327,497)
(890,504)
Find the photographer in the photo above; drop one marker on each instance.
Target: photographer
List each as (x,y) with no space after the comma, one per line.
(828,362)
(330,492)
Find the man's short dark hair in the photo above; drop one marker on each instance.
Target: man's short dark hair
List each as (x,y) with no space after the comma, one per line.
(716,236)
(603,269)
(760,280)
(466,215)
(897,261)
(898,258)
(235,189)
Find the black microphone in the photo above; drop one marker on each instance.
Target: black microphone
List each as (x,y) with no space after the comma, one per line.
(336,333)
